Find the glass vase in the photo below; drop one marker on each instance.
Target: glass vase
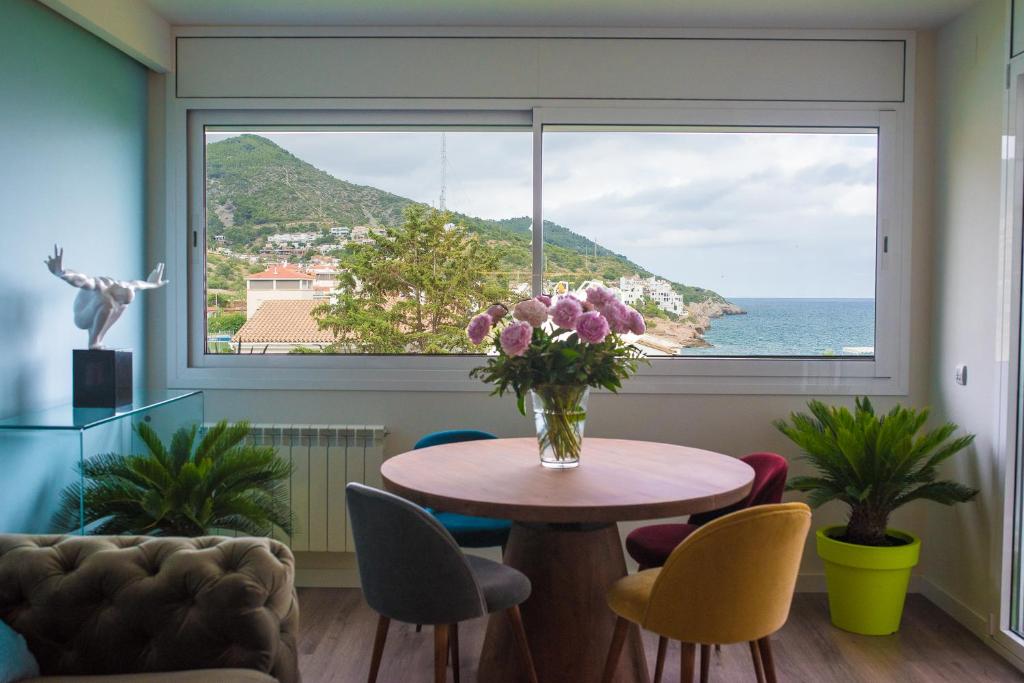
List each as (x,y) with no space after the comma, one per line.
(560,415)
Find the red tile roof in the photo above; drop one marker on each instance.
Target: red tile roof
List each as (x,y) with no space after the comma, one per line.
(281,271)
(284,322)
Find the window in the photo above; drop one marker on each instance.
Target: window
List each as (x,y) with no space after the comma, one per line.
(765,247)
(355,241)
(732,241)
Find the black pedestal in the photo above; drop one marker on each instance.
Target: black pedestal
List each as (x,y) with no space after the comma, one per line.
(102,378)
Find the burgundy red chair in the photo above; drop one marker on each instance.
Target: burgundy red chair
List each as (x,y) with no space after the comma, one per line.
(651,545)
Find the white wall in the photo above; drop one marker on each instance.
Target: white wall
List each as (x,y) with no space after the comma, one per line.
(960,543)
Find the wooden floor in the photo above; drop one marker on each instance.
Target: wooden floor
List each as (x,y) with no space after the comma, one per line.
(338,627)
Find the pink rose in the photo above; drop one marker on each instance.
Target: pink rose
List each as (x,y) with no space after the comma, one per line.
(566,311)
(479,327)
(618,316)
(592,327)
(544,299)
(531,311)
(516,337)
(599,296)
(636,322)
(497,312)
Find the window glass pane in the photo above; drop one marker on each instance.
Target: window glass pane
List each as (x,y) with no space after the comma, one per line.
(733,242)
(362,241)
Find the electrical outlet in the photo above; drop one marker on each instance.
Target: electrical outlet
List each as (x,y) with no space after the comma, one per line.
(961,375)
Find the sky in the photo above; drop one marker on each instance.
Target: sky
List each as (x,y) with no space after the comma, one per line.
(747,214)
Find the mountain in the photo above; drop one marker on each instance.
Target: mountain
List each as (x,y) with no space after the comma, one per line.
(255,188)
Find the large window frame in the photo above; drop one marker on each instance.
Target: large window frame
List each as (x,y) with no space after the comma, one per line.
(885,373)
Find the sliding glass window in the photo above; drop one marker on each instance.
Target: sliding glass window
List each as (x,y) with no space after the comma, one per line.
(361,241)
(739,241)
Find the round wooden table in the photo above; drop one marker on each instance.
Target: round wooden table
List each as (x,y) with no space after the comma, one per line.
(564,537)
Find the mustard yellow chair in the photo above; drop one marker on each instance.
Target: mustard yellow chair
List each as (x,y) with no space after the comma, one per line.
(731,581)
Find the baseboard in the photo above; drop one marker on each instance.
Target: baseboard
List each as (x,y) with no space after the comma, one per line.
(327,578)
(974,622)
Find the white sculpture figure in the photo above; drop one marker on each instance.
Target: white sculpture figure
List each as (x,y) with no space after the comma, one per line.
(102,299)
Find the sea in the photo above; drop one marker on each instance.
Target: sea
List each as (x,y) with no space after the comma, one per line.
(793,327)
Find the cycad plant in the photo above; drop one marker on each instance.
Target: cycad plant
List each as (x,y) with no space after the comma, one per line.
(182,489)
(873,463)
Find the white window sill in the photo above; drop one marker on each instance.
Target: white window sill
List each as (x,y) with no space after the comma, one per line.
(403,373)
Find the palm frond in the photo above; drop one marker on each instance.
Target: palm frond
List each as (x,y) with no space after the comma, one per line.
(183,489)
(874,463)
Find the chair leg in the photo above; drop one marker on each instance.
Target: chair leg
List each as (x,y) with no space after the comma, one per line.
(521,643)
(378,647)
(705,663)
(419,627)
(615,649)
(755,655)
(686,662)
(659,662)
(440,653)
(454,642)
(767,660)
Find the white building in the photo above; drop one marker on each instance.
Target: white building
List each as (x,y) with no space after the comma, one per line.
(277,282)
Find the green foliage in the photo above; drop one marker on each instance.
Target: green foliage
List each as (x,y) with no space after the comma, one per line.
(413,289)
(225,323)
(558,358)
(649,308)
(875,464)
(184,488)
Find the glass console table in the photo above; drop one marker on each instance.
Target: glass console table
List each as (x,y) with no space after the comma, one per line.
(42,452)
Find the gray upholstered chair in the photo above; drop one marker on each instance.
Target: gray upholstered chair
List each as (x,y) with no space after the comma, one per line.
(413,571)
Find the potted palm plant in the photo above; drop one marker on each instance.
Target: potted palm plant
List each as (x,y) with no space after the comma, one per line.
(184,488)
(875,464)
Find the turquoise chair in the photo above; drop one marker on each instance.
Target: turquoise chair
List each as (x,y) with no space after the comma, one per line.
(468,532)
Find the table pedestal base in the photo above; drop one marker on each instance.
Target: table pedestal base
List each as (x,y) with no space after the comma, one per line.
(568,622)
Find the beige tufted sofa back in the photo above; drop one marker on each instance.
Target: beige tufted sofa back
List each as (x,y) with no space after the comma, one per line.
(132,604)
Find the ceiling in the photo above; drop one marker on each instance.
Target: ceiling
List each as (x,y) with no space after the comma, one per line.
(894,14)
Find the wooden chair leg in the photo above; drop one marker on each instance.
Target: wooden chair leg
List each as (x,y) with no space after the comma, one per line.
(378,647)
(767,660)
(521,643)
(659,662)
(615,649)
(419,627)
(440,653)
(755,655)
(454,642)
(686,662)
(705,663)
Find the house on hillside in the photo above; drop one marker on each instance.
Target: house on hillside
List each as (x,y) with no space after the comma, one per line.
(278,282)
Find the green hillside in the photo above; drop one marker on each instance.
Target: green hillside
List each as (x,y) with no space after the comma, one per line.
(256,188)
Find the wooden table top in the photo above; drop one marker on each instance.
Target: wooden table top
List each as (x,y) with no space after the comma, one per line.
(617,480)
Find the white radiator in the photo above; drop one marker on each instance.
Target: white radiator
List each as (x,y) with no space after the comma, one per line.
(324,458)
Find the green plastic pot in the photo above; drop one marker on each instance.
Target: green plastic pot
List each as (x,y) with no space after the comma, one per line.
(867,585)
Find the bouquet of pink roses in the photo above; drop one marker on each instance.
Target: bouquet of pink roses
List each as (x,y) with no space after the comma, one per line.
(557,349)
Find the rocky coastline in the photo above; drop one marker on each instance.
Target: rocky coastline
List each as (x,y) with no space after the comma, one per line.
(688,332)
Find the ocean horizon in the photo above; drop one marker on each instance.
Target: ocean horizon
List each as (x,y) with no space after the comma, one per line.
(792,327)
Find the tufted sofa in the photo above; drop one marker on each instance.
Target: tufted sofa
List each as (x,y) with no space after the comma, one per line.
(208,609)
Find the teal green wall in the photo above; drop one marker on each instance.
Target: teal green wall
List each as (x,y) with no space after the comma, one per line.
(72,171)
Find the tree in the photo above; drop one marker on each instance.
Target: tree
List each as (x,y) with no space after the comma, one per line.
(225,323)
(414,288)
